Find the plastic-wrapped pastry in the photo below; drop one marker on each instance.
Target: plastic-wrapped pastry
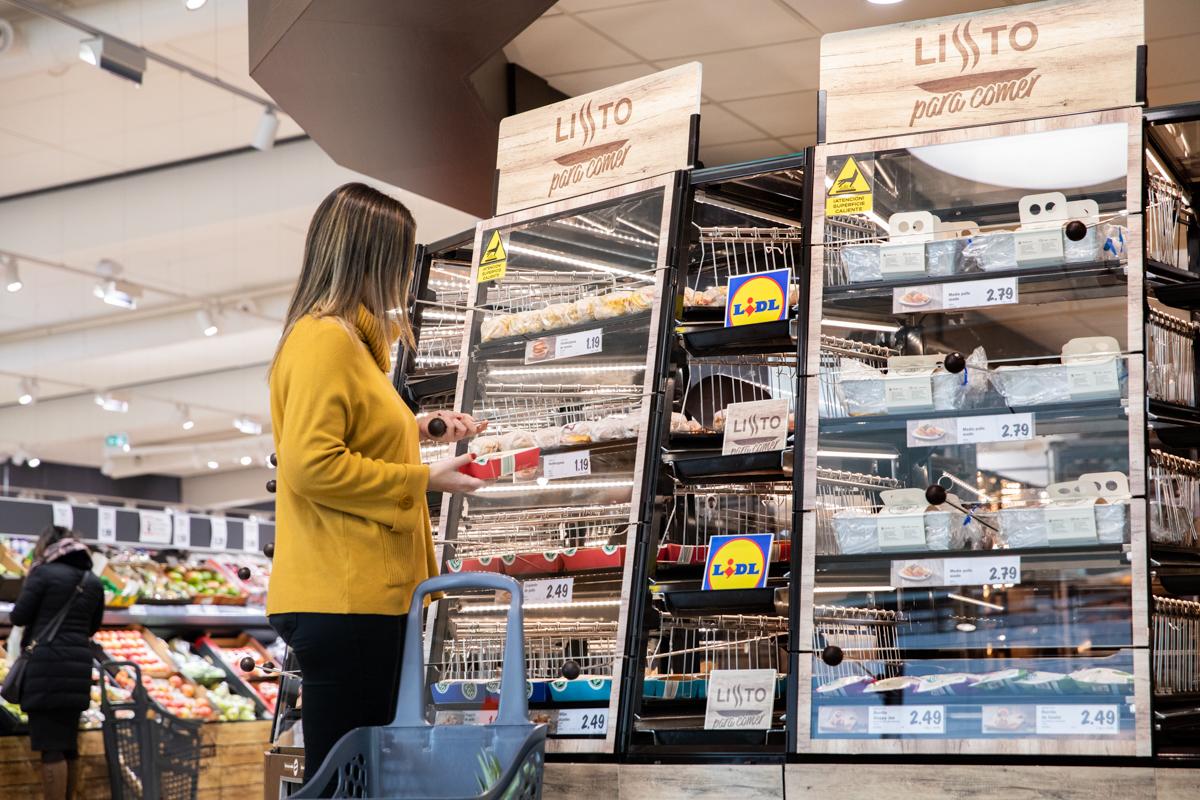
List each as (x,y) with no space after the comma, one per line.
(642,299)
(516,440)
(689,296)
(718,424)
(496,327)
(559,315)
(613,304)
(577,433)
(793,295)
(586,307)
(681,424)
(618,426)
(527,322)
(548,437)
(715,295)
(483,445)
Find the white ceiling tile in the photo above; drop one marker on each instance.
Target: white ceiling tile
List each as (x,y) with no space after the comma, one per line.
(741,151)
(561,44)
(757,71)
(573,6)
(719,126)
(14,145)
(47,167)
(577,83)
(676,28)
(828,16)
(780,115)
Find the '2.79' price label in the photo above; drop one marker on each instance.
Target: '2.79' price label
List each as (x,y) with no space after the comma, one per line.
(582,722)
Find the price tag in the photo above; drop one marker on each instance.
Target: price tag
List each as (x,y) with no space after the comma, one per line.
(154,527)
(136,611)
(1093,379)
(569,345)
(977,294)
(907,394)
(901,259)
(1070,524)
(1039,245)
(582,722)
(901,531)
(250,536)
(183,530)
(1096,720)
(567,465)
(971,430)
(548,590)
(64,515)
(220,533)
(927,720)
(106,524)
(982,571)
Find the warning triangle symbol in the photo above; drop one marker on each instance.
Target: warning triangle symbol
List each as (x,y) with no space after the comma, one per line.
(495,250)
(850,180)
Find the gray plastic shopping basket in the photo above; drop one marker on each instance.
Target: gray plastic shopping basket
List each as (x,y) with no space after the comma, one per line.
(410,759)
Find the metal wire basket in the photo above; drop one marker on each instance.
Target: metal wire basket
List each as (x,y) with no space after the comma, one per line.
(411,759)
(151,754)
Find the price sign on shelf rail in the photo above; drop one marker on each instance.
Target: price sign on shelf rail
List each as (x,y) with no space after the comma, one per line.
(548,590)
(970,430)
(154,527)
(568,345)
(982,571)
(1089,719)
(951,296)
(928,720)
(220,533)
(582,722)
(567,465)
(64,515)
(250,536)
(106,524)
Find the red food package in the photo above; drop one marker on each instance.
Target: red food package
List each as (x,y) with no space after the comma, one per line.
(491,466)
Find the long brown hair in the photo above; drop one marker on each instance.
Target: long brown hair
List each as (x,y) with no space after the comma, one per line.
(359,251)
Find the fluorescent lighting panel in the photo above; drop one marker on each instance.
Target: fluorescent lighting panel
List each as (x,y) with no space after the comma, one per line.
(854,325)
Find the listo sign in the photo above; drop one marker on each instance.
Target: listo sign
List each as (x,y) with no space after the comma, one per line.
(583,127)
(1021,61)
(973,88)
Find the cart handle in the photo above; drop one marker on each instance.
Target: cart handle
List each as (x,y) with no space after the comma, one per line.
(514,709)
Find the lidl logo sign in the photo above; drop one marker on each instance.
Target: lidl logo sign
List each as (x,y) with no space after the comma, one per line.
(738,562)
(758,297)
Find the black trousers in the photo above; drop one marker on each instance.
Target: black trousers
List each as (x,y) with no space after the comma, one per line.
(350,673)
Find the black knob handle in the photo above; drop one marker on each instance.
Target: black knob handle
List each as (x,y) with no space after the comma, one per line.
(832,655)
(955,362)
(246,664)
(243,573)
(935,494)
(437,427)
(570,669)
(269,549)
(268,666)
(274,459)
(271,486)
(1075,230)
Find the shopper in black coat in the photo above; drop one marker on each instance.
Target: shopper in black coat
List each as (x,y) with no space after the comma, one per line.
(58,678)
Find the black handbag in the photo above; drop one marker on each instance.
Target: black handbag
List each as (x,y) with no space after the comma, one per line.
(14,682)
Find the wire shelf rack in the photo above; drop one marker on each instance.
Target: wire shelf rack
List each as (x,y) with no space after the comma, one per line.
(497,533)
(838,490)
(1171,358)
(866,636)
(475,650)
(1174,499)
(727,252)
(1176,632)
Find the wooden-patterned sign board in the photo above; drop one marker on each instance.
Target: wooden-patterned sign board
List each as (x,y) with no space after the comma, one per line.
(1017,62)
(634,130)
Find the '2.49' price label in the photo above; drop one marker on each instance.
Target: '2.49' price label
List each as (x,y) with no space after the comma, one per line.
(548,590)
(1088,720)
(907,719)
(582,722)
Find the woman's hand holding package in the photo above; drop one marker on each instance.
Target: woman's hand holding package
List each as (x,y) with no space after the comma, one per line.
(458,426)
(445,477)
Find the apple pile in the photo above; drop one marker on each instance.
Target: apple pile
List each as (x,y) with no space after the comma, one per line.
(178,697)
(124,645)
(202,582)
(268,691)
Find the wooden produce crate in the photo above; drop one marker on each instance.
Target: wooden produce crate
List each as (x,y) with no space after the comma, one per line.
(156,646)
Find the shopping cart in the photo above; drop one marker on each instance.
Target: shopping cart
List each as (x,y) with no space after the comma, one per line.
(151,754)
(411,759)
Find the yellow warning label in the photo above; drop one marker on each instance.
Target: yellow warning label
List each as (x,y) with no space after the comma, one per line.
(494,262)
(850,193)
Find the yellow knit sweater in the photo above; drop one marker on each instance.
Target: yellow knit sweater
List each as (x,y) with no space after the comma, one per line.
(352,526)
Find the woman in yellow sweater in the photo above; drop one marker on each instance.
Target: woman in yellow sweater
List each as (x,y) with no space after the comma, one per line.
(352,524)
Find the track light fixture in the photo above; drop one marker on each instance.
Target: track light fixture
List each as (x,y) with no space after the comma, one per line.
(115,56)
(29,392)
(12,275)
(208,322)
(114,291)
(268,126)
(112,401)
(248,426)
(185,418)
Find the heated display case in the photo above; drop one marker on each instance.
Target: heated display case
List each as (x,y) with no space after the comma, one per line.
(742,220)
(973,573)
(563,354)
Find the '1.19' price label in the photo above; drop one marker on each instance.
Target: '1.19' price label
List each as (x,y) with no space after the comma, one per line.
(567,465)
(582,722)
(1082,720)
(907,720)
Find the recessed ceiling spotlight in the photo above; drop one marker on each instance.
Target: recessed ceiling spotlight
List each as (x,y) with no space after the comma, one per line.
(113,55)
(33,462)
(213,465)
(194,5)
(246,461)
(208,322)
(268,126)
(884,2)
(12,275)
(29,392)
